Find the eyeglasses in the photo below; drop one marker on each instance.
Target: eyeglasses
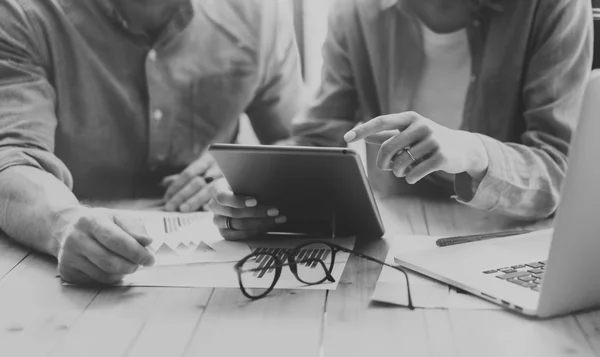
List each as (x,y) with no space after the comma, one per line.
(311,263)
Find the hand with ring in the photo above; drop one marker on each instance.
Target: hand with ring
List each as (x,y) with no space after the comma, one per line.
(241,217)
(413,147)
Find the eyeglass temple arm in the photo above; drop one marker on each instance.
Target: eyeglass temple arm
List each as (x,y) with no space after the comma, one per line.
(400,269)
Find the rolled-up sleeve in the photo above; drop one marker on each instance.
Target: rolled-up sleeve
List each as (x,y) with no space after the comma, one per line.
(524,179)
(334,109)
(27,100)
(280,97)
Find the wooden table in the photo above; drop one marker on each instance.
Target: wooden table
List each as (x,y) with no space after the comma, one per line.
(40,317)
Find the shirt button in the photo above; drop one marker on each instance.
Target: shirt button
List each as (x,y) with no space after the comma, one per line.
(473,78)
(476,23)
(152,55)
(157,115)
(161,157)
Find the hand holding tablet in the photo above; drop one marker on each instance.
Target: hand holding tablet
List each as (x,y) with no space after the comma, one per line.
(240,217)
(303,190)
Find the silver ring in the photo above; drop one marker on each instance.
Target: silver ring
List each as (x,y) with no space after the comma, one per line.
(407,149)
(228,224)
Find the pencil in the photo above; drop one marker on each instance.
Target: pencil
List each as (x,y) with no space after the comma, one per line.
(443,242)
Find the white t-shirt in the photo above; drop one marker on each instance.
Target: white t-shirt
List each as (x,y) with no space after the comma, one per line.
(445,78)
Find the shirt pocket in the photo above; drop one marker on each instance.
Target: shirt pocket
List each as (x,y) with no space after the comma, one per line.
(217,102)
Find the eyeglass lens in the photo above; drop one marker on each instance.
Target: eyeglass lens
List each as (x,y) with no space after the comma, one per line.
(259,269)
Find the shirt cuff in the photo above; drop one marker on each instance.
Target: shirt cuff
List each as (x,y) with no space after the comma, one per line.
(486,193)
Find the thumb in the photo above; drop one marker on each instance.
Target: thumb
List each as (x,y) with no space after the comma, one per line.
(134,227)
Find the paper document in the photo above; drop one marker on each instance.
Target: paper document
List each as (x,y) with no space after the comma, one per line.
(190,252)
(425,292)
(180,238)
(223,275)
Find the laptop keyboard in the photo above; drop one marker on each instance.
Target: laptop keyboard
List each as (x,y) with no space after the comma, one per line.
(528,275)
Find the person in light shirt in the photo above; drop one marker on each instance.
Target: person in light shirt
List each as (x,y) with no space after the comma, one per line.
(104,100)
(474,99)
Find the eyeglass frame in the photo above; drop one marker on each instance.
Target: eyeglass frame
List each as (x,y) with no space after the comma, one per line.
(278,265)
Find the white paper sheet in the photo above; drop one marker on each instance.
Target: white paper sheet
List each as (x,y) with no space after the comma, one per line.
(180,239)
(222,274)
(425,292)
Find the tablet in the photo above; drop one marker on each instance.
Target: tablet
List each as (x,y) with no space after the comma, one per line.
(321,191)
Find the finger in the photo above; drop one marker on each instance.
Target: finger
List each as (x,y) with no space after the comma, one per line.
(195,169)
(381,137)
(177,184)
(214,172)
(83,272)
(75,276)
(98,274)
(200,166)
(386,122)
(412,135)
(402,162)
(105,260)
(250,212)
(428,166)
(224,196)
(248,224)
(168,180)
(197,200)
(135,228)
(190,189)
(116,240)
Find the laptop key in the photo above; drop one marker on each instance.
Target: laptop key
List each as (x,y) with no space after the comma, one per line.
(535,271)
(521,283)
(535,265)
(512,275)
(518,266)
(536,288)
(527,279)
(492,271)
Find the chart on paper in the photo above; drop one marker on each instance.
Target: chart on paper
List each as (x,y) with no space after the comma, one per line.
(172,224)
(187,238)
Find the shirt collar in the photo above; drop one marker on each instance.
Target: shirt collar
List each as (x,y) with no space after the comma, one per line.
(495,5)
(180,19)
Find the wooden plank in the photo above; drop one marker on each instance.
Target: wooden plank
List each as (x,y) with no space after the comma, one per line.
(356,327)
(11,254)
(439,333)
(500,333)
(590,324)
(285,323)
(402,216)
(136,322)
(36,310)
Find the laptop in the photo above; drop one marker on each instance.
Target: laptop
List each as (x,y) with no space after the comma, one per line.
(545,273)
